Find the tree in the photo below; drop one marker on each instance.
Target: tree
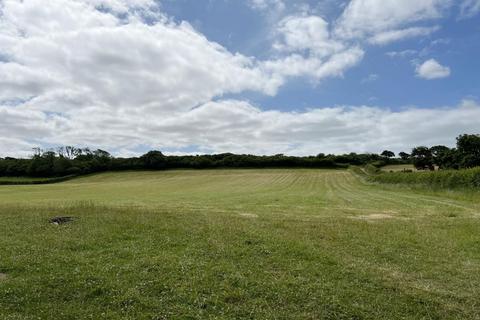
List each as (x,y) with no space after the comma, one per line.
(450,159)
(99,153)
(69,152)
(61,165)
(439,154)
(37,151)
(468,146)
(388,154)
(404,156)
(153,160)
(42,165)
(422,158)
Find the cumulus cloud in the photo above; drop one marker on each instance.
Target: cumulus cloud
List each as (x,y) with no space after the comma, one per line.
(70,46)
(387,37)
(310,50)
(64,48)
(381,22)
(431,69)
(311,33)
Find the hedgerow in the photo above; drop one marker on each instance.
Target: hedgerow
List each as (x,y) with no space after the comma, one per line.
(467,178)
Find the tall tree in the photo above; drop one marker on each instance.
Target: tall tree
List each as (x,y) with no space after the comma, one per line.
(388,154)
(422,158)
(404,156)
(468,146)
(154,160)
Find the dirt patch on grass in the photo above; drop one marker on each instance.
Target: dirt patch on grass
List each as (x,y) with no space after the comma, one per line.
(375,216)
(60,220)
(248,215)
(3,276)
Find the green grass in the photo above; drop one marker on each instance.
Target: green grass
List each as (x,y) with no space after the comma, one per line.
(238,244)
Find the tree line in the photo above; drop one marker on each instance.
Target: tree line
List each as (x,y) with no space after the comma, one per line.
(67,161)
(465,155)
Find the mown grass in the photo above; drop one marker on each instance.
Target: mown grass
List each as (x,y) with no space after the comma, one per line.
(237,244)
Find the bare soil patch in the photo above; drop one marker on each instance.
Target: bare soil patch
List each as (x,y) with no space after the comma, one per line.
(61,220)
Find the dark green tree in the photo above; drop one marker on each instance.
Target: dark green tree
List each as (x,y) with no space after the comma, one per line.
(468,146)
(439,154)
(422,158)
(404,156)
(388,154)
(154,160)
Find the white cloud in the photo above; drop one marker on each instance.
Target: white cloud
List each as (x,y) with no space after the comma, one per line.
(68,48)
(64,45)
(310,50)
(387,18)
(401,54)
(387,37)
(298,33)
(431,69)
(15,148)
(277,5)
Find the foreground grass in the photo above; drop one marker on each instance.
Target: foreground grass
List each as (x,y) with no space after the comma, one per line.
(251,244)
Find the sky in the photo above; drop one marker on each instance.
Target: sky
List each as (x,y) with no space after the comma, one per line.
(245,76)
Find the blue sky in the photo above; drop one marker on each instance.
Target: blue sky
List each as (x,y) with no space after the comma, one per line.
(244,76)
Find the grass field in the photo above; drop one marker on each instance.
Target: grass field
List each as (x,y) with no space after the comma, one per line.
(238,244)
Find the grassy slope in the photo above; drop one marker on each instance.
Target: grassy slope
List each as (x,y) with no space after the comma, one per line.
(269,244)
